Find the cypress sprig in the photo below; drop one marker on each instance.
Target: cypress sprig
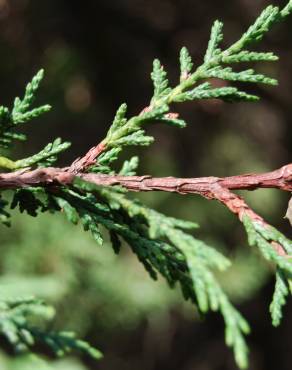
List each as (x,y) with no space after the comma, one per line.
(21,112)
(262,237)
(255,33)
(282,288)
(192,254)
(214,66)
(214,42)
(129,167)
(46,157)
(186,64)
(244,76)
(205,91)
(18,323)
(64,343)
(164,245)
(160,81)
(249,56)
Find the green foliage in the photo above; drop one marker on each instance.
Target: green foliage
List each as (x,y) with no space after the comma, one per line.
(205,91)
(45,157)
(28,362)
(64,343)
(26,200)
(214,42)
(128,132)
(164,245)
(4,215)
(129,167)
(244,76)
(209,294)
(262,237)
(18,320)
(16,317)
(279,298)
(23,112)
(21,109)
(91,277)
(266,240)
(160,81)
(186,64)
(179,252)
(249,56)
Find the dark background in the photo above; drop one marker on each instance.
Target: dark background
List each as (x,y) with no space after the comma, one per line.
(97,55)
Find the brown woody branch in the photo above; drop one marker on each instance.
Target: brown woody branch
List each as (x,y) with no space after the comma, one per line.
(279,179)
(209,187)
(238,206)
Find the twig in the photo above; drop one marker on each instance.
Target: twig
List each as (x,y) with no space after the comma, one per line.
(239,207)
(209,187)
(89,159)
(279,179)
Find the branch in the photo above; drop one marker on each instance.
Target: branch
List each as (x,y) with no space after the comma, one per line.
(215,188)
(85,193)
(238,206)
(279,179)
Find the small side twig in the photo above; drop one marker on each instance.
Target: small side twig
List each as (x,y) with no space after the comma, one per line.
(239,207)
(89,159)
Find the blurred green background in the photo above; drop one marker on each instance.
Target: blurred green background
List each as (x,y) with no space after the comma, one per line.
(98,54)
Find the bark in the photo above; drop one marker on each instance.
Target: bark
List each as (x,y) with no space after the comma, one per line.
(279,179)
(217,188)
